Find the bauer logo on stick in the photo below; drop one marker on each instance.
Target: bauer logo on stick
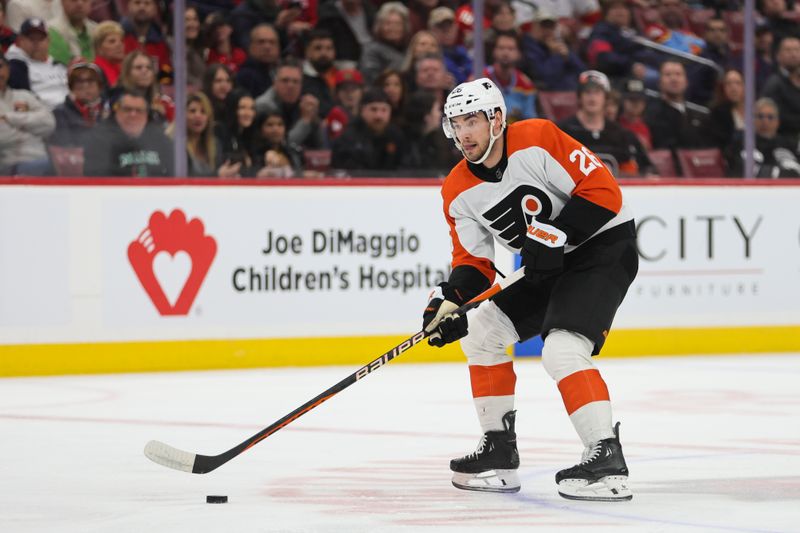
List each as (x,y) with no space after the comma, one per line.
(171,258)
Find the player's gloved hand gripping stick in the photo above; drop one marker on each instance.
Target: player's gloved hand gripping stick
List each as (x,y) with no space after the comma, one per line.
(174,458)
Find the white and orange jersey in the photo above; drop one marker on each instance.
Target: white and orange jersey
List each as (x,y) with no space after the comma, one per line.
(547,175)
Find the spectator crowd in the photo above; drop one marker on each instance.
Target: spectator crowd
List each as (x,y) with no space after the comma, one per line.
(303,88)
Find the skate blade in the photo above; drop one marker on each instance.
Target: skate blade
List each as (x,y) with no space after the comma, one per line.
(606,489)
(489,481)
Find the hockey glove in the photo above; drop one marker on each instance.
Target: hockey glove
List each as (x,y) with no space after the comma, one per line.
(543,251)
(438,319)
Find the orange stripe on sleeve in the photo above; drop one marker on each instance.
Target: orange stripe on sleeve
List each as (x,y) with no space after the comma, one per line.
(580,388)
(495,380)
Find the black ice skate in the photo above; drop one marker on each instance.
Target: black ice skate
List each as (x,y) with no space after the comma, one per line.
(493,466)
(601,476)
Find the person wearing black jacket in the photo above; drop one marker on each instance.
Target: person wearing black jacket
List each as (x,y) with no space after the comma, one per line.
(83,108)
(775,156)
(615,145)
(351,22)
(263,53)
(672,122)
(126,145)
(371,144)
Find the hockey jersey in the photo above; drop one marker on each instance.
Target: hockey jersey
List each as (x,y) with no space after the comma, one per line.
(544,173)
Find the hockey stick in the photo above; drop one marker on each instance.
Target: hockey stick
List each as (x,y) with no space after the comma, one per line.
(195,463)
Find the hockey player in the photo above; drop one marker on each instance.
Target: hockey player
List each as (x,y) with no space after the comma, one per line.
(538,192)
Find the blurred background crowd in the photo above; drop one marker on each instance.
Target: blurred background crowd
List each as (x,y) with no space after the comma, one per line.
(304,88)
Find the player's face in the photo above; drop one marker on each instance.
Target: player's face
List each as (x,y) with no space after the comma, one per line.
(472,132)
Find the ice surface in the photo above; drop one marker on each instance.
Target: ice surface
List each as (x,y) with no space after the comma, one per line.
(713,444)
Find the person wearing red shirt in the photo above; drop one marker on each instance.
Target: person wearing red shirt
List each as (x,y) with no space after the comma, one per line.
(142,32)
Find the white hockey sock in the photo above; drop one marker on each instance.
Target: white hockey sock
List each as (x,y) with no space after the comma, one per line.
(491,410)
(593,422)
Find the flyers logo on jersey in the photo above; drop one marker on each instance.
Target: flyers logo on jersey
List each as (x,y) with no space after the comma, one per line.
(512,215)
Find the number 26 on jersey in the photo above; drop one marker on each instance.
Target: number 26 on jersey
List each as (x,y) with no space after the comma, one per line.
(587,161)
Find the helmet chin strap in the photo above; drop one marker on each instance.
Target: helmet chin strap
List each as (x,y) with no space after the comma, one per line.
(492,139)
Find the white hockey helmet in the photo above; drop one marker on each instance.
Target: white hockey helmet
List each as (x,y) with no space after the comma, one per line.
(471,97)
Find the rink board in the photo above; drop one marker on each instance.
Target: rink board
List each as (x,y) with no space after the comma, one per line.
(117,275)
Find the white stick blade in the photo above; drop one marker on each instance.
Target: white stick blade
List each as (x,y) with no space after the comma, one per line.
(166,455)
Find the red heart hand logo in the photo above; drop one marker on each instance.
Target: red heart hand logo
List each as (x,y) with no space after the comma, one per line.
(171,258)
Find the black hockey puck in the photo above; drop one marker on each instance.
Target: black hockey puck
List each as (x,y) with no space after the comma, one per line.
(216,499)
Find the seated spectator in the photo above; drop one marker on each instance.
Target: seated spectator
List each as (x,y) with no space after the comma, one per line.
(775,156)
(671,32)
(217,85)
(765,62)
(237,134)
(781,88)
(319,72)
(502,21)
(613,103)
(418,13)
(300,111)
(428,150)
(672,123)
(24,124)
(138,75)
(390,38)
(277,156)
(349,89)
(203,149)
(465,20)
(548,59)
(442,25)
(518,90)
(248,15)
(142,32)
(18,11)
(703,79)
(195,48)
(263,53)
(422,43)
(221,49)
(604,137)
(727,111)
(610,48)
(371,144)
(394,86)
(127,144)
(774,13)
(109,50)
(7,35)
(32,68)
(351,21)
(431,75)
(634,102)
(71,32)
(290,18)
(83,108)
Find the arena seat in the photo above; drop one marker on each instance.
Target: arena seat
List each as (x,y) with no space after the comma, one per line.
(664,163)
(67,160)
(319,160)
(701,163)
(558,105)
